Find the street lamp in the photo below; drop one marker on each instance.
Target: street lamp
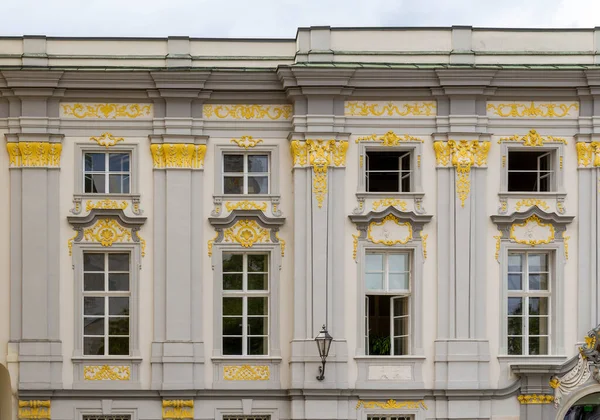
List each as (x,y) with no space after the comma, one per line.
(323,343)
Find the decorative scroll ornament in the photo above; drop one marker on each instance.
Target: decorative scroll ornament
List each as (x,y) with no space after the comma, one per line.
(178,155)
(533,139)
(211,243)
(106,373)
(530,202)
(424,240)
(532,232)
(355,238)
(34,154)
(390,139)
(390,231)
(246,142)
(566,244)
(463,155)
(320,154)
(106,111)
(532,110)
(498,239)
(34,409)
(246,233)
(585,152)
(248,112)
(107,140)
(282,243)
(177,409)
(105,204)
(246,205)
(108,231)
(246,373)
(392,405)
(535,399)
(387,202)
(390,109)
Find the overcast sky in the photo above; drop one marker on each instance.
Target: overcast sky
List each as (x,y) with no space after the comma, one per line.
(277,18)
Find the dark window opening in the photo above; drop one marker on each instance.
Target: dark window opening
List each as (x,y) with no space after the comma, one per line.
(530,171)
(388,171)
(388,323)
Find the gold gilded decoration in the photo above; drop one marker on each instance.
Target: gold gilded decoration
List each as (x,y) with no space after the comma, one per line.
(566,243)
(554,383)
(389,139)
(178,155)
(392,404)
(386,233)
(560,160)
(299,152)
(386,202)
(585,151)
(211,242)
(355,245)
(463,155)
(34,154)
(530,202)
(107,140)
(533,139)
(177,409)
(532,110)
(246,142)
(107,232)
(106,373)
(390,109)
(424,240)
(106,111)
(535,399)
(105,204)
(246,373)
(143,244)
(498,239)
(248,112)
(70,243)
(245,205)
(418,161)
(282,243)
(504,161)
(246,233)
(530,239)
(34,409)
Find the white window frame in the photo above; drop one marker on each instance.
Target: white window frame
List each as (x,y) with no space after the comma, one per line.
(106,171)
(525,293)
(540,174)
(244,294)
(245,174)
(402,173)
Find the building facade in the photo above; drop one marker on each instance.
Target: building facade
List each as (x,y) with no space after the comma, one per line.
(182,216)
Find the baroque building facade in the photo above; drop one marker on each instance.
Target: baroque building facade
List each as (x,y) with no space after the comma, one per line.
(182,216)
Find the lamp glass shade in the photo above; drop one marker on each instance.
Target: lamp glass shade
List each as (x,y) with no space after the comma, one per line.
(323,342)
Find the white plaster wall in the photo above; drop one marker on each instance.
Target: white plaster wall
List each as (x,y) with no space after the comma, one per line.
(531,41)
(117,47)
(391,40)
(248,48)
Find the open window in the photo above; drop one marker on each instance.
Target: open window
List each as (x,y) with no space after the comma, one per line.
(388,171)
(531,171)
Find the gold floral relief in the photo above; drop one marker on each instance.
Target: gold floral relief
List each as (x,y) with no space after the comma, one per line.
(105,204)
(533,139)
(532,110)
(390,139)
(498,239)
(587,151)
(107,140)
(530,202)
(281,243)
(299,152)
(178,155)
(245,205)
(34,409)
(177,409)
(392,405)
(107,232)
(246,373)
(246,142)
(211,243)
(388,235)
(246,232)
(248,112)
(424,240)
(390,109)
(530,235)
(566,245)
(535,399)
(355,238)
(34,154)
(106,373)
(106,110)
(387,202)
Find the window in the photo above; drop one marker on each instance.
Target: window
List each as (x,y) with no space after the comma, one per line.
(529,279)
(106,173)
(387,301)
(388,171)
(530,171)
(389,417)
(245,173)
(245,304)
(106,300)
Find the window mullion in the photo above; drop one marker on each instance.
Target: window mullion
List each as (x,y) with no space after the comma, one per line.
(245,174)
(245,325)
(106,174)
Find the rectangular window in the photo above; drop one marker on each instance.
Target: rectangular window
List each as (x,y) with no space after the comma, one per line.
(528,322)
(387,304)
(245,173)
(530,171)
(388,171)
(245,304)
(106,302)
(106,173)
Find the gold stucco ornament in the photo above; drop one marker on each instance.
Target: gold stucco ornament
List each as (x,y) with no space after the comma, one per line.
(246,373)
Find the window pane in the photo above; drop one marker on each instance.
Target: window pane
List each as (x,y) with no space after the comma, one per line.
(258,163)
(398,262)
(537,262)
(257,345)
(93,282)
(399,281)
(233,185)
(515,325)
(118,262)
(118,326)
(93,306)
(232,326)
(374,262)
(232,281)
(538,325)
(257,263)
(514,282)
(118,282)
(538,281)
(384,182)
(258,185)
(118,162)
(258,282)
(95,183)
(515,306)
(515,263)
(232,306)
(257,306)
(93,326)
(401,346)
(258,325)
(118,345)
(116,184)
(401,326)
(374,281)
(538,306)
(95,162)
(233,163)
(400,307)
(93,262)
(522,181)
(387,161)
(232,345)
(515,345)
(538,345)
(233,263)
(93,346)
(118,306)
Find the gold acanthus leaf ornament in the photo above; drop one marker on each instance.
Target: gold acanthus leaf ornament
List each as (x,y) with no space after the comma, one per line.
(246,142)
(34,409)
(106,373)
(530,202)
(387,202)
(533,139)
(390,109)
(246,373)
(532,110)
(107,232)
(178,155)
(392,404)
(106,204)
(248,112)
(34,154)
(355,238)
(107,140)
(177,409)
(424,240)
(585,152)
(245,205)
(535,399)
(106,110)
(390,139)
(463,155)
(246,232)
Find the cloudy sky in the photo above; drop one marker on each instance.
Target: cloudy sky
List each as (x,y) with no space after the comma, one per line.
(277,18)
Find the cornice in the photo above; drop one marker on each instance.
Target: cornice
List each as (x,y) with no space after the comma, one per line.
(185,80)
(509,219)
(262,219)
(377,216)
(94,214)
(32,78)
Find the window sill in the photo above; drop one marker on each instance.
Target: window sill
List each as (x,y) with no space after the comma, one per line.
(368,194)
(545,359)
(106,359)
(407,358)
(517,194)
(246,359)
(246,197)
(92,196)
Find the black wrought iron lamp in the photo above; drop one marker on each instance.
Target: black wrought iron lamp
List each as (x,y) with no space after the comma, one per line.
(323,343)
